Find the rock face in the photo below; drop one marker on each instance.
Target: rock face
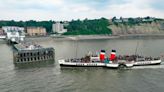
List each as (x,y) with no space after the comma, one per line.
(142,28)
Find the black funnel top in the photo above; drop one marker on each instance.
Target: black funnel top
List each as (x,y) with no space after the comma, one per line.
(113,50)
(103,51)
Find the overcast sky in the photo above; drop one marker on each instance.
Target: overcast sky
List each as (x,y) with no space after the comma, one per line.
(78,9)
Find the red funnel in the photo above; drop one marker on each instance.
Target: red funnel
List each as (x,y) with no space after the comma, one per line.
(102,55)
(113,55)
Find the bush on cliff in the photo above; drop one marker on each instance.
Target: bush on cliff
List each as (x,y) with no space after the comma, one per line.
(88,27)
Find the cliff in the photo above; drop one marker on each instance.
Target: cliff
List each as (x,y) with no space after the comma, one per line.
(156,27)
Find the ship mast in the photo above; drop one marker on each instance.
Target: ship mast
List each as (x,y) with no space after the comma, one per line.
(76,47)
(137,47)
(136,50)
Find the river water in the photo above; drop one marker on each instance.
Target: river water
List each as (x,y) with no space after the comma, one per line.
(50,77)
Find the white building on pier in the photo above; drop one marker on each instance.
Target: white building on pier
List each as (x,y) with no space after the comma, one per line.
(14,34)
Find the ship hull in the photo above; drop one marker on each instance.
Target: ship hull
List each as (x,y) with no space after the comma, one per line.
(65,65)
(109,65)
(79,64)
(119,66)
(146,63)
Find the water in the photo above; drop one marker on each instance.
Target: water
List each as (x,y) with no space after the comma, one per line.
(45,77)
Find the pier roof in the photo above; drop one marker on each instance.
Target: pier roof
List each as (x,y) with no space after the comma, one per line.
(21,46)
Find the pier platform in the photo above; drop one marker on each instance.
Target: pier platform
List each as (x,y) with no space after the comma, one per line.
(26,53)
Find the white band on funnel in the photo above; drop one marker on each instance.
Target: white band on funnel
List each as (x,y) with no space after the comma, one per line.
(113,53)
(102,53)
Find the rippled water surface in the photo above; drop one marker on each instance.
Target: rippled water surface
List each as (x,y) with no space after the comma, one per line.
(50,77)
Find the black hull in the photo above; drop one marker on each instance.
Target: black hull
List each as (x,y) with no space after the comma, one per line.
(62,65)
(111,67)
(114,68)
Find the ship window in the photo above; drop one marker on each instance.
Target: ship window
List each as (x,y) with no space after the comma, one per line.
(38,58)
(25,59)
(38,53)
(20,55)
(35,58)
(21,60)
(27,54)
(31,54)
(31,59)
(24,54)
(28,59)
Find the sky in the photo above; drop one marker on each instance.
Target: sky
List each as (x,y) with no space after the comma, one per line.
(61,10)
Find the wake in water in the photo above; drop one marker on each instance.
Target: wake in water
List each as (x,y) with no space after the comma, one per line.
(150,66)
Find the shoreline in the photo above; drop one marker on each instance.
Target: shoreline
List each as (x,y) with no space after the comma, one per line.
(92,37)
(96,37)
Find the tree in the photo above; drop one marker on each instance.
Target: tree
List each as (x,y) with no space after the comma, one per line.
(114,18)
(31,23)
(88,27)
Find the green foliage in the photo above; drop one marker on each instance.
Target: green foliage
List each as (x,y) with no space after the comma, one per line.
(75,27)
(88,27)
(31,23)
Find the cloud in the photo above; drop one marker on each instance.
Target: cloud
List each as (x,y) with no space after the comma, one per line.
(75,9)
(30,4)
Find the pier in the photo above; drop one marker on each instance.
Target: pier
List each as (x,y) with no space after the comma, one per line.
(25,53)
